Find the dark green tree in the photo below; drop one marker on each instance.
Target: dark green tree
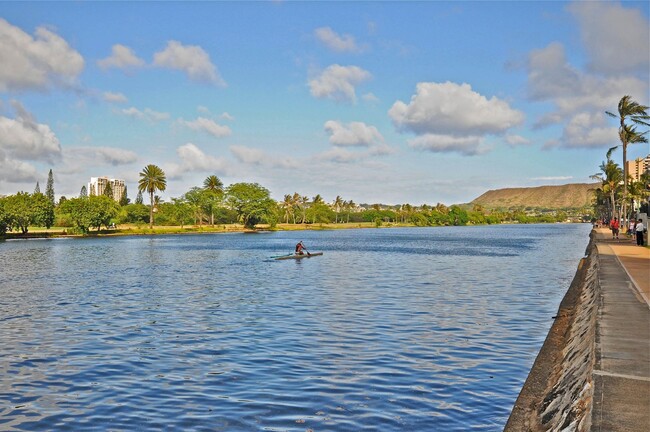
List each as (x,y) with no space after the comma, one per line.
(42,210)
(49,189)
(37,189)
(252,203)
(125,198)
(194,199)
(90,212)
(19,211)
(5,223)
(84,192)
(152,179)
(138,198)
(108,191)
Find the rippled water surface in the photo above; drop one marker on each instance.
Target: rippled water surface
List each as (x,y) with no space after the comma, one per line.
(419,329)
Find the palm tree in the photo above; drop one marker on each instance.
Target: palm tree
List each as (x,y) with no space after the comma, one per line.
(214,186)
(287,207)
(629,109)
(338,203)
(152,179)
(610,178)
(303,202)
(213,183)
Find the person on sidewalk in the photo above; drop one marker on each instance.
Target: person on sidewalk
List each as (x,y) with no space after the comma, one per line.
(614,225)
(640,229)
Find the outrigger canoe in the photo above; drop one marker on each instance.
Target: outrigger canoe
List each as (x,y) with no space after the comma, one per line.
(296,256)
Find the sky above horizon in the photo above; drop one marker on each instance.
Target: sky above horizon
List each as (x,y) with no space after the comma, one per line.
(378,102)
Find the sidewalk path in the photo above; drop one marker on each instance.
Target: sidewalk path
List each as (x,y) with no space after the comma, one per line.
(621,374)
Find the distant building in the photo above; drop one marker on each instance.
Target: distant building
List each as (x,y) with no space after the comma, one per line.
(637,167)
(97,186)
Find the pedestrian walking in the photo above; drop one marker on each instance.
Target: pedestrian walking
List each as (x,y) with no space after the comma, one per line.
(640,229)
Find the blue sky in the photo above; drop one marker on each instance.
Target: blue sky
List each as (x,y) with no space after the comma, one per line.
(391,102)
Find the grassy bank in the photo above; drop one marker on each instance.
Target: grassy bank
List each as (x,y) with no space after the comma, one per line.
(132,229)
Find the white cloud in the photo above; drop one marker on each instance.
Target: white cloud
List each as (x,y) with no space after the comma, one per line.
(193,159)
(370,98)
(15,171)
(552,78)
(191,59)
(517,140)
(587,130)
(335,42)
(122,57)
(466,145)
(579,100)
(352,134)
(101,155)
(227,116)
(36,63)
(114,97)
(253,156)
(615,38)
(24,139)
(147,114)
(452,109)
(340,155)
(206,125)
(338,82)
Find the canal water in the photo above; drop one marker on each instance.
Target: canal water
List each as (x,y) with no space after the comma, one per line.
(419,329)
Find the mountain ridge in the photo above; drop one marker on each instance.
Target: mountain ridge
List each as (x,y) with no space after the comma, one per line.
(572,195)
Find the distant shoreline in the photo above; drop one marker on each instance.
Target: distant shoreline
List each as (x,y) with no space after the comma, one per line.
(133,230)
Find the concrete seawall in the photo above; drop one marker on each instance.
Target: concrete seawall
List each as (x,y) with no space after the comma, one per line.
(593,370)
(558,392)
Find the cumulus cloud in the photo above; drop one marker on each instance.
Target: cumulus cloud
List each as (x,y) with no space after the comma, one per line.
(36,63)
(450,117)
(203,124)
(15,171)
(336,42)
(352,134)
(147,114)
(23,138)
(587,130)
(191,59)
(517,140)
(615,38)
(579,100)
(102,155)
(552,78)
(466,145)
(114,97)
(253,156)
(193,159)
(122,57)
(616,42)
(452,109)
(338,83)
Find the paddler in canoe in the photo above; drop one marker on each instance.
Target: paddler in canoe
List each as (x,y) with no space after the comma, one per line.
(301,249)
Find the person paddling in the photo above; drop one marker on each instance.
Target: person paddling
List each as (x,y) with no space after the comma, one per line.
(301,249)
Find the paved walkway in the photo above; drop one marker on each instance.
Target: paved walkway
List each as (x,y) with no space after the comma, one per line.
(622,370)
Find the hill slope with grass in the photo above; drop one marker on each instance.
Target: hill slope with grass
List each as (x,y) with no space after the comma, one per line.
(567,196)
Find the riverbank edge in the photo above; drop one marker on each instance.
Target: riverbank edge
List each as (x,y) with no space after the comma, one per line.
(217,229)
(558,392)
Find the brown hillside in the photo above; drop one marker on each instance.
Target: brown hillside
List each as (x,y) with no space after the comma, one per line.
(552,197)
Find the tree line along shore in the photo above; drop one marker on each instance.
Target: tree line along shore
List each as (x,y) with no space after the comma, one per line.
(213,207)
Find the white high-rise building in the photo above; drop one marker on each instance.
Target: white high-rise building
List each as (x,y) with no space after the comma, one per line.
(97,186)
